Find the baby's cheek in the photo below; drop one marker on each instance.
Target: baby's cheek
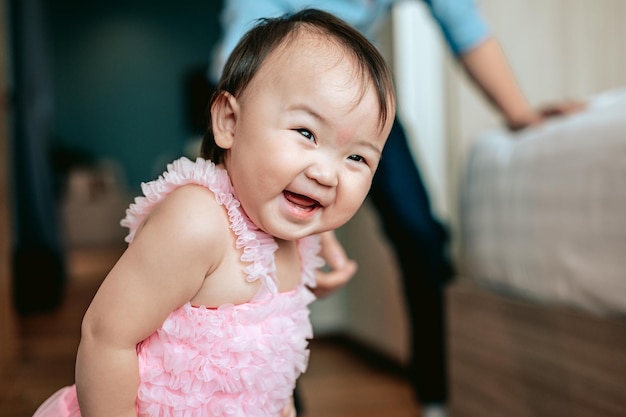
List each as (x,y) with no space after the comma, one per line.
(351,201)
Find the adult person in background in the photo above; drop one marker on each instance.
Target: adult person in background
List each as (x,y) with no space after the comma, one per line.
(398,193)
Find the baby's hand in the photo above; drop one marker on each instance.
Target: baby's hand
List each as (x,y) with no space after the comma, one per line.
(289,410)
(339,269)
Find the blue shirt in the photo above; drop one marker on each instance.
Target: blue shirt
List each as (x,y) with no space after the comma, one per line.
(460,21)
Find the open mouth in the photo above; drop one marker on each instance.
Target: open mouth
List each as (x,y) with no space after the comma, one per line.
(301,201)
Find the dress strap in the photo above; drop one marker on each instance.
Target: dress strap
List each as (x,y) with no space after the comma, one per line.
(311,261)
(257,246)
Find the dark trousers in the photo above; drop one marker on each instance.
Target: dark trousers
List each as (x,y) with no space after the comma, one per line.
(420,244)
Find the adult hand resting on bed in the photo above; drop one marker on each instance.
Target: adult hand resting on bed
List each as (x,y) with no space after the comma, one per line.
(536,117)
(560,109)
(340,268)
(488,67)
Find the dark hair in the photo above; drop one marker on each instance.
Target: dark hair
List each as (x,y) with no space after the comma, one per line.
(270,33)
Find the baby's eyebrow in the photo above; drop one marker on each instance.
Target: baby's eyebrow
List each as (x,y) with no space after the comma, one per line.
(364,142)
(370,145)
(304,107)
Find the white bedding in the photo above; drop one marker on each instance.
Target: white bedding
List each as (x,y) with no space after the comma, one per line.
(543,212)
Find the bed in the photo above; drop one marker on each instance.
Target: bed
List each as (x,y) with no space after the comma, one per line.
(537,320)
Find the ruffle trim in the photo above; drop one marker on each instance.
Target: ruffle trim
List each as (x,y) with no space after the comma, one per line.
(243,361)
(258,247)
(309,248)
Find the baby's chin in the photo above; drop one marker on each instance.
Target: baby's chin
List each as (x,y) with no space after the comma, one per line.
(293,236)
(286,229)
(294,233)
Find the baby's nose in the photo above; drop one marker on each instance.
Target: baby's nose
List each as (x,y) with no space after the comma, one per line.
(324,172)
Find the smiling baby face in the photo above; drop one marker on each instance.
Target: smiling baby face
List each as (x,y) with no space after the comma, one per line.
(304,138)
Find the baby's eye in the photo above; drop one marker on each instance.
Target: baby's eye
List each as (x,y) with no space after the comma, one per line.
(357,158)
(306,133)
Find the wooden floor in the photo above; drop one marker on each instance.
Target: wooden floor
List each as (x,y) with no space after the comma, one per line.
(515,358)
(338,383)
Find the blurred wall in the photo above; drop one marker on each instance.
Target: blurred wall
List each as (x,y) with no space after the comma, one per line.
(119,72)
(8,327)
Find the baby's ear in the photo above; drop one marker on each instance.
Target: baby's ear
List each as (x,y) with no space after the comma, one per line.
(224,114)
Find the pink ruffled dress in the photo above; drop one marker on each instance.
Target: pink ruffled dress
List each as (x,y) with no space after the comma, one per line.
(236,360)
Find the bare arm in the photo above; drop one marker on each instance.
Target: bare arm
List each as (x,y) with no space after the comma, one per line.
(341,269)
(161,270)
(488,67)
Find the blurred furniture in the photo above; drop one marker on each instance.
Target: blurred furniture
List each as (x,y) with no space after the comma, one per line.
(93,204)
(537,324)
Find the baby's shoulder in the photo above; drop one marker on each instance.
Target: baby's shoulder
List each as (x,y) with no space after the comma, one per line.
(191,211)
(191,194)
